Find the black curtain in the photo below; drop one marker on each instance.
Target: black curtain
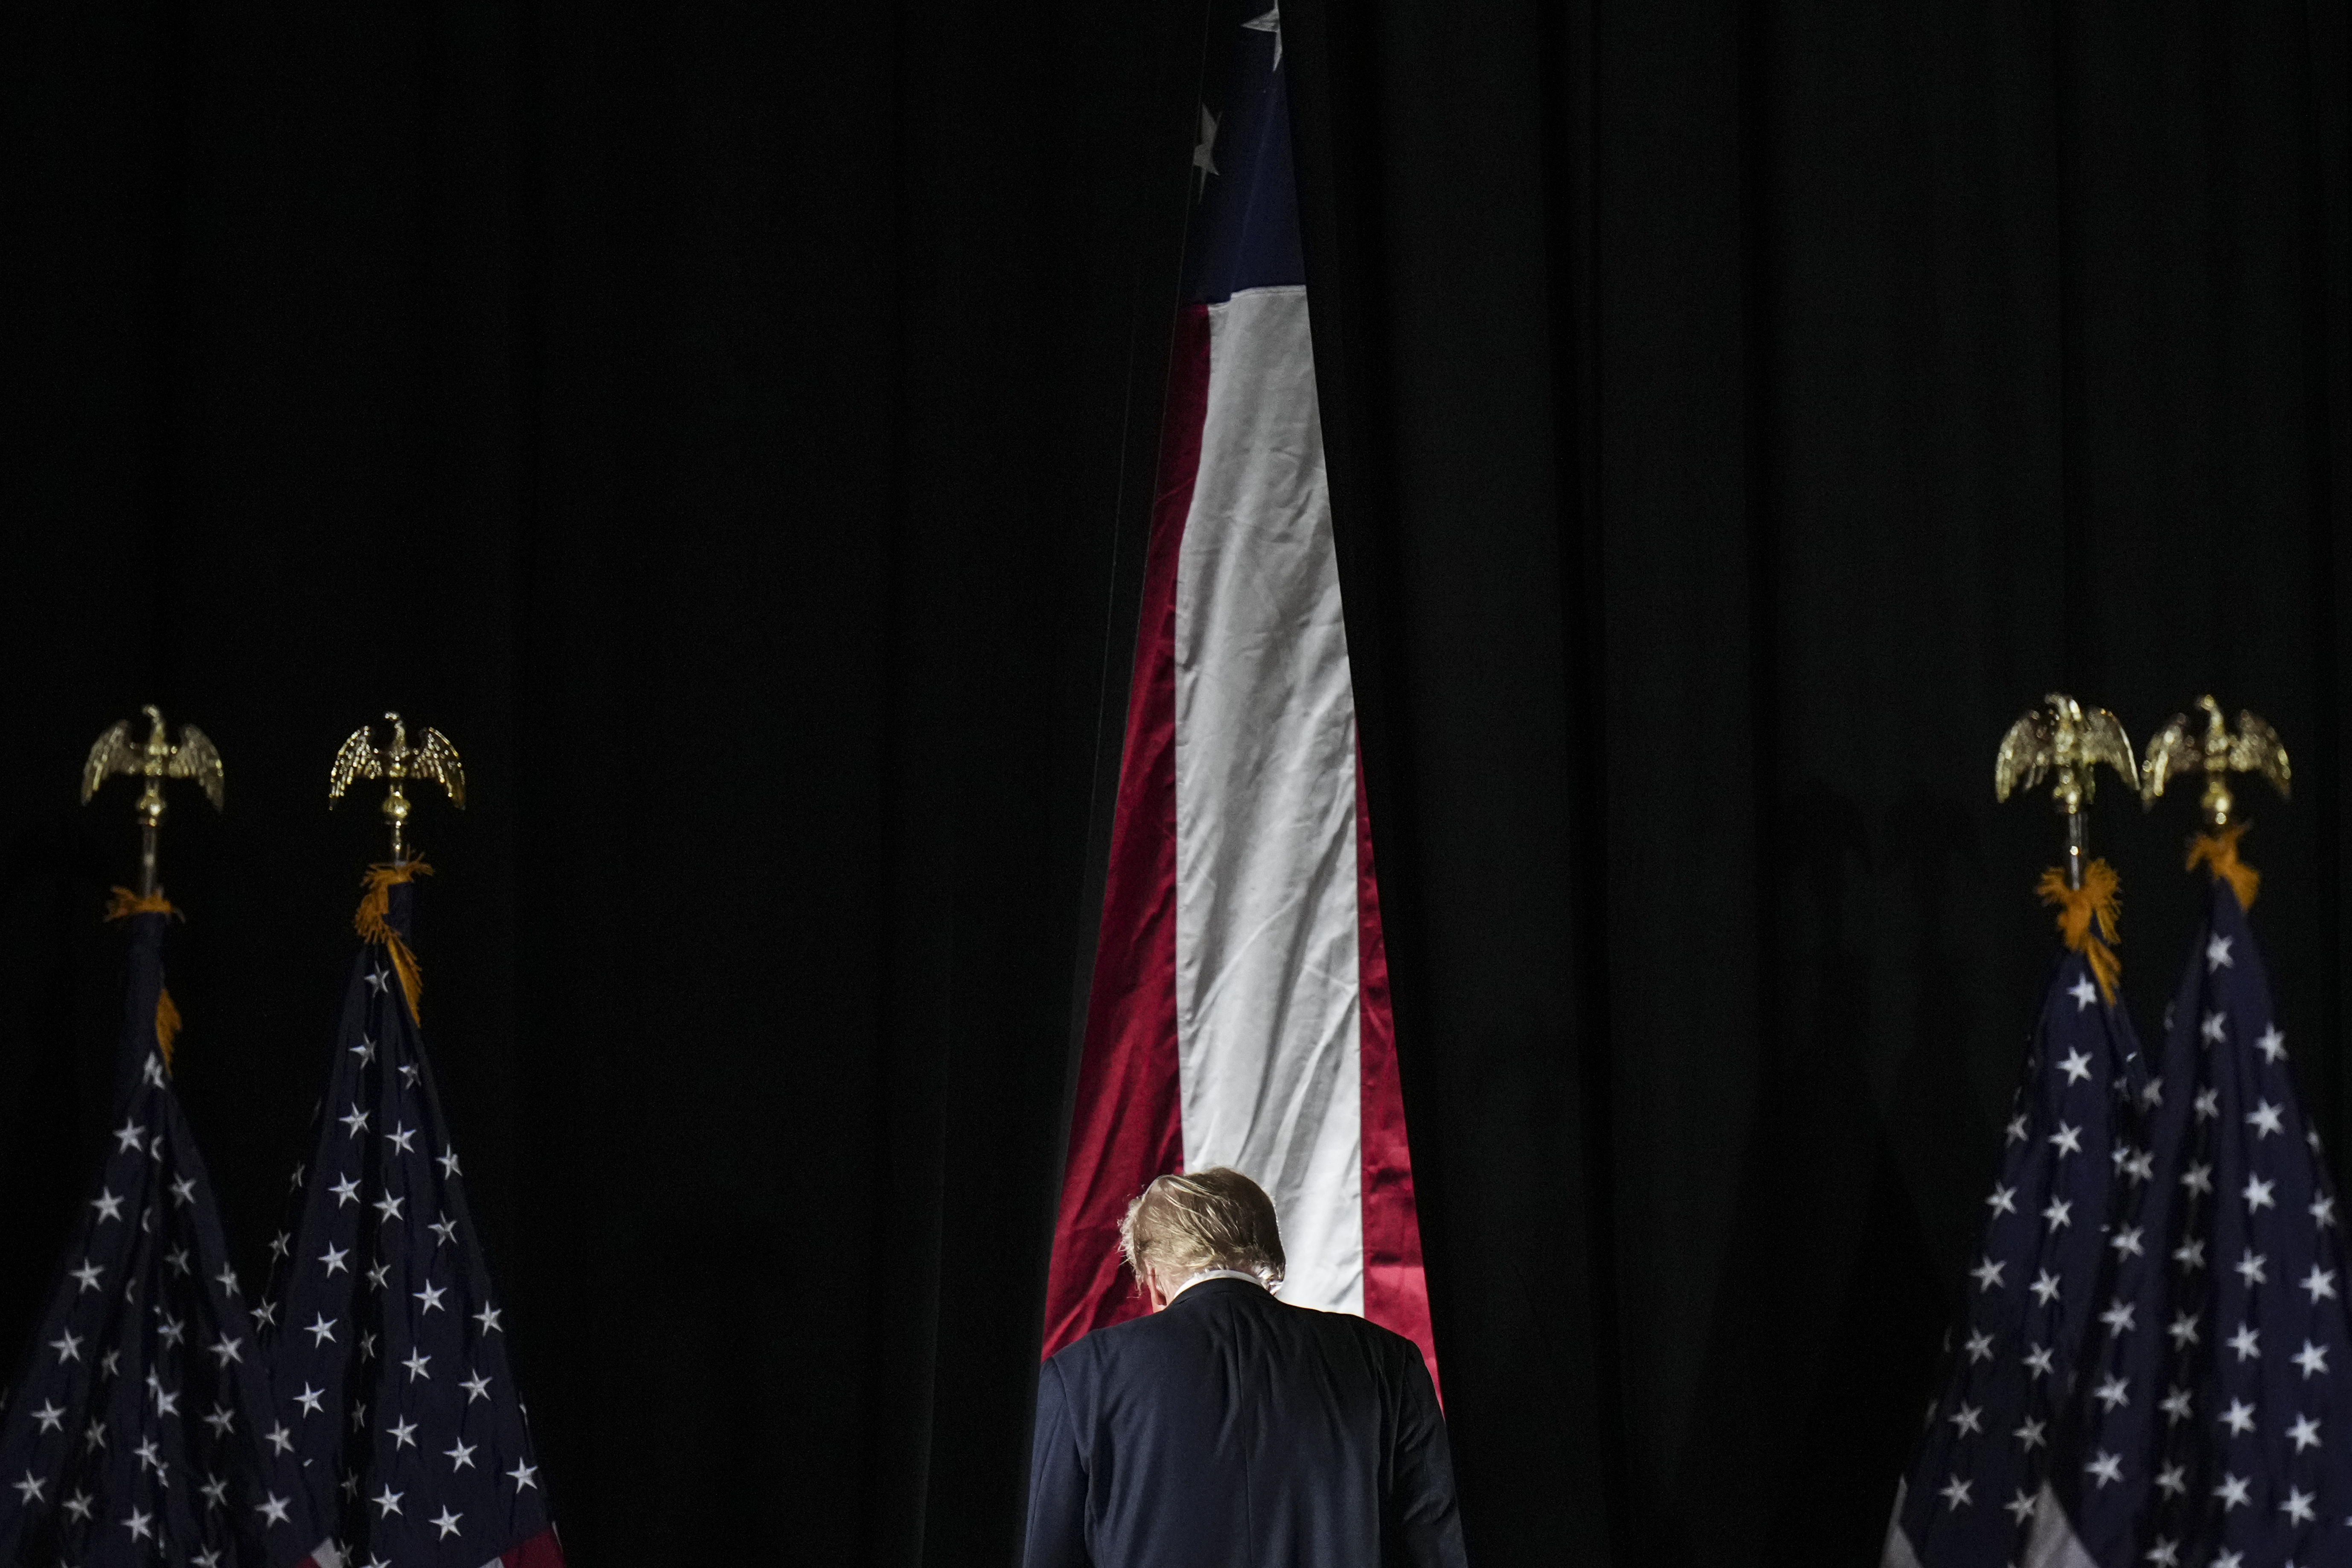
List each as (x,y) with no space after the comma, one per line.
(1738,414)
(723,423)
(733,426)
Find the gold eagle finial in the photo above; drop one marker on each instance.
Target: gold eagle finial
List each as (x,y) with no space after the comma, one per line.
(2179,748)
(433,759)
(153,760)
(2063,737)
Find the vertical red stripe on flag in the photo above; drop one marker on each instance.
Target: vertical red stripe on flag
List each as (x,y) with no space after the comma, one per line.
(1127,1126)
(1396,1291)
(542,1551)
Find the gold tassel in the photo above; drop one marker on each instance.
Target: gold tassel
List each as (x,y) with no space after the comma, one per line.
(373,923)
(126,903)
(2219,851)
(2080,909)
(167,1025)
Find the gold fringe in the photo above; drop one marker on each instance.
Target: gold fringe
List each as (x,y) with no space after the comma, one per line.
(2094,904)
(373,923)
(167,1025)
(126,903)
(2219,851)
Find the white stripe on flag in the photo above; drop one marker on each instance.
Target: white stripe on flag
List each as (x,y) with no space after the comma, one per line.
(1899,1552)
(1266,967)
(2053,1543)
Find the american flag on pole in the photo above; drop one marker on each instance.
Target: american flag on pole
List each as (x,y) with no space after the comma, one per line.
(1239,1014)
(386,1343)
(136,1430)
(2211,1425)
(1969,1499)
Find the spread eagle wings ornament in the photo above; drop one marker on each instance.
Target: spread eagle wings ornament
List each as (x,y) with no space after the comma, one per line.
(434,760)
(195,757)
(2186,745)
(2063,735)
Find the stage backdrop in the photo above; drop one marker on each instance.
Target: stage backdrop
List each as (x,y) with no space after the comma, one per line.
(734,428)
(1737,415)
(718,423)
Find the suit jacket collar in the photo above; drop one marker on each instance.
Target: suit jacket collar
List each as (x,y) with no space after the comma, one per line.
(1213,1289)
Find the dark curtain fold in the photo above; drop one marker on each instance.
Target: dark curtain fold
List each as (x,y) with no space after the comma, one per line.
(726,423)
(1737,415)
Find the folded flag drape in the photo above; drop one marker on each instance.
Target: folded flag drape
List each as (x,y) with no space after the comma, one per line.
(387,1344)
(1969,1499)
(2210,1425)
(1239,1013)
(139,1428)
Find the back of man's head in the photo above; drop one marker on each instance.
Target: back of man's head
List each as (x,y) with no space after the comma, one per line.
(1216,1218)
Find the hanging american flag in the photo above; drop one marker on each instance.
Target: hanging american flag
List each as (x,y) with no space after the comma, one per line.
(140,1428)
(386,1341)
(2210,1425)
(1239,1014)
(1969,1499)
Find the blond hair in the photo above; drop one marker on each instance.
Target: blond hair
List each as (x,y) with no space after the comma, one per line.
(1216,1218)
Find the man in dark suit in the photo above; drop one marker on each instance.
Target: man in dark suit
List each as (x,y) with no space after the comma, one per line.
(1227,1429)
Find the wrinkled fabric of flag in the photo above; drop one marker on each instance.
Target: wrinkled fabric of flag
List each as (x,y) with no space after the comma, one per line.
(138,1428)
(1969,1499)
(2210,1425)
(1239,1008)
(387,1344)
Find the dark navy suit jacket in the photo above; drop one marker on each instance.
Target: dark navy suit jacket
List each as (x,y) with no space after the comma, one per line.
(1233,1431)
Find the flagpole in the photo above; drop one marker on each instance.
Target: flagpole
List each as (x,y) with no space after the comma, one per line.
(151,829)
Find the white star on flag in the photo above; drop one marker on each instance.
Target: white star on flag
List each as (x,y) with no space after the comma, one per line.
(1269,23)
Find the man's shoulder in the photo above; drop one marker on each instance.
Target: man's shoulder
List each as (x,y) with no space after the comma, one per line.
(1384,1344)
(1113,1340)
